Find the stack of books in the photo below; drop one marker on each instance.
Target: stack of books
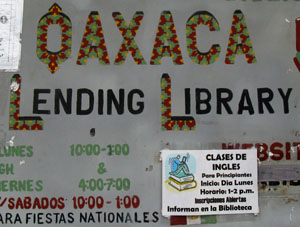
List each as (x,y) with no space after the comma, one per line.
(182,181)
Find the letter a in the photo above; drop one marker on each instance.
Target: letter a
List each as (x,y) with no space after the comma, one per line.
(166,32)
(93,44)
(239,30)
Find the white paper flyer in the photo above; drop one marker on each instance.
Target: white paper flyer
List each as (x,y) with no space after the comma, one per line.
(205,182)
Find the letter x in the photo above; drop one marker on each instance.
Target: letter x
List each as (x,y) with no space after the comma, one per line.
(128,33)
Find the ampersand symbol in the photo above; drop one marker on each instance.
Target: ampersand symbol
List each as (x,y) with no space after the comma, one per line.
(101,168)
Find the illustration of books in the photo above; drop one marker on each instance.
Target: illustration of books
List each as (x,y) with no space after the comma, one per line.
(182,181)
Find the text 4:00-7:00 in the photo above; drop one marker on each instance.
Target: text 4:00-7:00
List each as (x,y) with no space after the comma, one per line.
(101,184)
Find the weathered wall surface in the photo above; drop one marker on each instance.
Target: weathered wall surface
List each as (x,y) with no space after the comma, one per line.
(91,81)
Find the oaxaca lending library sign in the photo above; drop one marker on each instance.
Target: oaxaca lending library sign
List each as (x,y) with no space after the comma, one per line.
(92,92)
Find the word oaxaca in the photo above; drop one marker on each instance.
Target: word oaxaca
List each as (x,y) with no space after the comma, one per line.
(166,42)
(209,182)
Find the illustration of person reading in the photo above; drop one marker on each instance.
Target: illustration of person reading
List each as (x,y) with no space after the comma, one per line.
(178,166)
(180,177)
